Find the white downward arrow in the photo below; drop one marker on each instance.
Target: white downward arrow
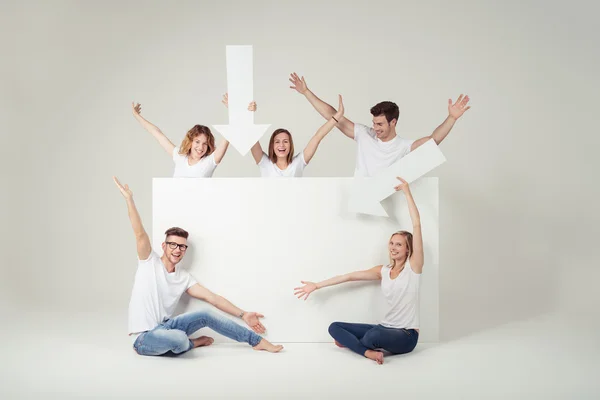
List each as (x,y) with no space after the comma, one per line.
(367,193)
(241,131)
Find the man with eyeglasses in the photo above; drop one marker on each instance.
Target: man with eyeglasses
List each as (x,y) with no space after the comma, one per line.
(157,288)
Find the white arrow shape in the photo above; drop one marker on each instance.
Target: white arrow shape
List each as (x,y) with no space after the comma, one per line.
(367,193)
(241,131)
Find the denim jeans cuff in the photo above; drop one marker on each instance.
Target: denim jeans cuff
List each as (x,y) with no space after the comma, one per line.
(254,339)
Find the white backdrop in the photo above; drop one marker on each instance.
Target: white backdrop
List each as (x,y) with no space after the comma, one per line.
(253,240)
(519,214)
(66,128)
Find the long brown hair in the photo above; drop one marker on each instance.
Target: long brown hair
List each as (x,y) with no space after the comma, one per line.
(272,155)
(409,243)
(197,130)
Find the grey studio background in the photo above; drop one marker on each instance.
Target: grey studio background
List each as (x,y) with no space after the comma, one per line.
(519,220)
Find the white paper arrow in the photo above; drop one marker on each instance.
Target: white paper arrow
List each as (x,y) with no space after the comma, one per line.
(241,131)
(367,193)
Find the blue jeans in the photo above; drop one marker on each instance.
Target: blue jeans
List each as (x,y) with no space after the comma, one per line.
(362,337)
(172,334)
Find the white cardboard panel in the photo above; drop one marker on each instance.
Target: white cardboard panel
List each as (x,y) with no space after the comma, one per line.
(367,193)
(252,240)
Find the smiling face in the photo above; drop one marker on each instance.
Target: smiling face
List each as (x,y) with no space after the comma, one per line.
(400,247)
(175,245)
(199,147)
(281,146)
(198,143)
(384,129)
(174,248)
(385,117)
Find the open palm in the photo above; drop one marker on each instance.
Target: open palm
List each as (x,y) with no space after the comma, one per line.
(457,109)
(252,320)
(298,84)
(304,291)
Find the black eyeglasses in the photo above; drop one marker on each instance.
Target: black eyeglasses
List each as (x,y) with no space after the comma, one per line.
(173,245)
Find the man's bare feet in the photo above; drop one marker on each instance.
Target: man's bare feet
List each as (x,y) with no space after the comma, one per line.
(268,346)
(202,341)
(338,344)
(376,356)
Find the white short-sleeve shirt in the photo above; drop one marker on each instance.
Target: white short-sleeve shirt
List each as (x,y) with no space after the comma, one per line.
(374,155)
(202,169)
(155,293)
(269,169)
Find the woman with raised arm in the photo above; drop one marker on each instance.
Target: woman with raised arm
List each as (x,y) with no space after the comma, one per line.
(197,156)
(280,160)
(398,332)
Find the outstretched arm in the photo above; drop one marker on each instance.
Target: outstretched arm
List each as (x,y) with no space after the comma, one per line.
(250,318)
(372,274)
(313,144)
(153,129)
(326,111)
(455,111)
(141,237)
(417,258)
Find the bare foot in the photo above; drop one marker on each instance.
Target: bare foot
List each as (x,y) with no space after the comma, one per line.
(202,341)
(338,344)
(376,356)
(268,346)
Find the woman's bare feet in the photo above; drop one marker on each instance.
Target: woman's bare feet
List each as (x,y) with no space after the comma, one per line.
(264,344)
(338,344)
(202,341)
(376,356)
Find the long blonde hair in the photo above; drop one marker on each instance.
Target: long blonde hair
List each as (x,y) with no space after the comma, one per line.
(197,130)
(409,243)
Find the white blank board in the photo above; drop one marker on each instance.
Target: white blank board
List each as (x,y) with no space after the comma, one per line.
(252,240)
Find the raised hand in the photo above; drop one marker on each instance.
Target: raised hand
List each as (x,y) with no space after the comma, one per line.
(402,186)
(304,291)
(125,191)
(136,109)
(298,84)
(252,320)
(340,112)
(457,109)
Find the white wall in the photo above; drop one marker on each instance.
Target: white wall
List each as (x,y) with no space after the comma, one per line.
(518,213)
(253,240)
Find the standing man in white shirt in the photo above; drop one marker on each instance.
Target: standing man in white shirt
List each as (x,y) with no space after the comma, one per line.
(380,146)
(158,286)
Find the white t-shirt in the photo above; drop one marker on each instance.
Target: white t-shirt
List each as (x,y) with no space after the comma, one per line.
(374,155)
(155,293)
(202,169)
(402,295)
(268,169)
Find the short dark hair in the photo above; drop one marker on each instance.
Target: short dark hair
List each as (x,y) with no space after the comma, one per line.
(387,108)
(177,232)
